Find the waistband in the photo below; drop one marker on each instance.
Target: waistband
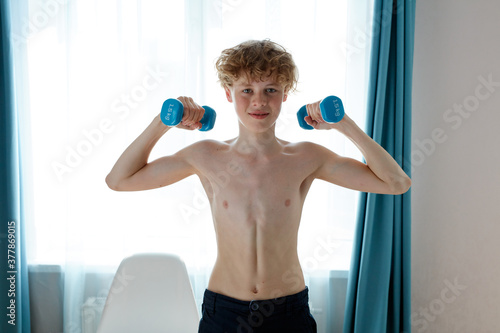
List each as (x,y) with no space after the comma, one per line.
(212,301)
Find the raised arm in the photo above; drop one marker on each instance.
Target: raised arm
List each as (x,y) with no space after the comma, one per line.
(380,174)
(132,172)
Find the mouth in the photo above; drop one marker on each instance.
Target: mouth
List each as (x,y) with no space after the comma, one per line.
(258,114)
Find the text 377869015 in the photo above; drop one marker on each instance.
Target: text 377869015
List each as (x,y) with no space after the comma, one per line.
(11,273)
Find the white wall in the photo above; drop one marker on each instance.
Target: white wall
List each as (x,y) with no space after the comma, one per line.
(456,159)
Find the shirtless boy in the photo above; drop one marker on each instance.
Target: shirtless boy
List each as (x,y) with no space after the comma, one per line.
(257,284)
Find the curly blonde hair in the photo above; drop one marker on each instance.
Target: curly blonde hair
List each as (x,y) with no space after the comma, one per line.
(258,60)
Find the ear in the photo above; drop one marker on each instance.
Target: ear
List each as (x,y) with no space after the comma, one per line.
(285,97)
(229,96)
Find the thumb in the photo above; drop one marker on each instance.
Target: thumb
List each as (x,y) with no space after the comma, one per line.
(310,121)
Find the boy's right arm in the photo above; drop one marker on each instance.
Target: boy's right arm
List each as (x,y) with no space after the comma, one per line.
(132,172)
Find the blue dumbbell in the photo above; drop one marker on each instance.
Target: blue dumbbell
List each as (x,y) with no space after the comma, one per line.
(332,111)
(172,111)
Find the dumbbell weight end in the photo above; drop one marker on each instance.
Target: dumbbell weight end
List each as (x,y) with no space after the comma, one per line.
(172,111)
(300,117)
(332,111)
(208,120)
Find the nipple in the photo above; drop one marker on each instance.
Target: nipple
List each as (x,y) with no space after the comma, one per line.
(287,202)
(225,204)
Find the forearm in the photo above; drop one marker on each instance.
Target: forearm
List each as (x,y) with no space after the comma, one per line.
(380,162)
(136,156)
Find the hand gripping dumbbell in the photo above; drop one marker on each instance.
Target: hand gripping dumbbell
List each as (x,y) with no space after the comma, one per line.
(331,109)
(172,111)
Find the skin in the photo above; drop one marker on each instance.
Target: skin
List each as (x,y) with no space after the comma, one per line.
(256,184)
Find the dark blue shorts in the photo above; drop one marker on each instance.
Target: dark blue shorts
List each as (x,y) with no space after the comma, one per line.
(223,314)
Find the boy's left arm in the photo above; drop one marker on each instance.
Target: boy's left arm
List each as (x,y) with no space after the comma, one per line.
(380,174)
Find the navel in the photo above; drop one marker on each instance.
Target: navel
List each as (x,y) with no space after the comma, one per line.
(225,204)
(287,202)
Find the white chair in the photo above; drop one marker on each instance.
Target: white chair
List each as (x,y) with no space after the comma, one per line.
(150,293)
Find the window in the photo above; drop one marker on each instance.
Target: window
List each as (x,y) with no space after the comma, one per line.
(99,72)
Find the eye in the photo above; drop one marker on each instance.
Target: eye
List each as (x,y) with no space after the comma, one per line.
(271,90)
(246,91)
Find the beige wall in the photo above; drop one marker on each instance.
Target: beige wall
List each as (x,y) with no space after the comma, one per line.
(456,160)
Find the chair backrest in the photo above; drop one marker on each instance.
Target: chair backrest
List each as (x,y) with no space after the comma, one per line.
(150,293)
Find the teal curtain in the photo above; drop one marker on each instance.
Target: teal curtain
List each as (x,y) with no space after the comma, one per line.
(14,294)
(379,287)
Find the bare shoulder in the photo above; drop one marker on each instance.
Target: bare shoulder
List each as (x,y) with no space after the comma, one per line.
(203,151)
(206,147)
(305,148)
(312,156)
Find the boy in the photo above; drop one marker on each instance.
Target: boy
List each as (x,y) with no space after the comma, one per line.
(257,284)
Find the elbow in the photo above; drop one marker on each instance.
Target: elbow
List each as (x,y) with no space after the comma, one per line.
(112,184)
(401,185)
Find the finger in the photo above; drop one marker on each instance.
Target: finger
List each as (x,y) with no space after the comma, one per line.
(194,126)
(187,104)
(198,125)
(317,114)
(191,112)
(195,113)
(198,114)
(185,110)
(314,111)
(187,127)
(310,121)
(187,113)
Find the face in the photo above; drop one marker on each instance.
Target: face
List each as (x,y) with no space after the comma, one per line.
(257,103)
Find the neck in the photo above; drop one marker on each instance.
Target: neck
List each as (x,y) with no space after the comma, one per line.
(257,143)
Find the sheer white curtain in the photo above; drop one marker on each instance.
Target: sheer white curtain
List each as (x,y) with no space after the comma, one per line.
(99,72)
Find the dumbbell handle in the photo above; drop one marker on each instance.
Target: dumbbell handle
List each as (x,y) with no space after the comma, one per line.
(172,111)
(332,111)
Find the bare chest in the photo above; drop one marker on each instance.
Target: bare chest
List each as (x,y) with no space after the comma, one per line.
(257,191)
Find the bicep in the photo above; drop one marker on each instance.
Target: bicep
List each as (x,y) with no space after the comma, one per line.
(158,173)
(350,173)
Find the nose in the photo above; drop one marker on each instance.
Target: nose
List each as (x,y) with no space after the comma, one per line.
(259,99)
